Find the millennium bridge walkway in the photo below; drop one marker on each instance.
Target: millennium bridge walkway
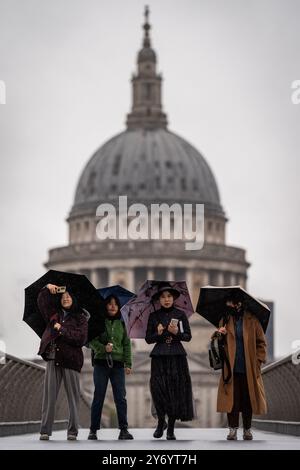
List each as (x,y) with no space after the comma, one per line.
(21,390)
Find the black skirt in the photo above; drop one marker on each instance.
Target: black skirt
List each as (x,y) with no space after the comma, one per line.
(171,387)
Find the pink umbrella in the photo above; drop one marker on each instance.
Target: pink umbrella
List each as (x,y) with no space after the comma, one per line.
(136,312)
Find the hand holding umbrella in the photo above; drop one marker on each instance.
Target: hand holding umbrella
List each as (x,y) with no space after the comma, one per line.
(213,304)
(87,296)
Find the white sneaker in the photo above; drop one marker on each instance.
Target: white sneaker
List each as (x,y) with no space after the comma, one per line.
(44,437)
(247,436)
(232,436)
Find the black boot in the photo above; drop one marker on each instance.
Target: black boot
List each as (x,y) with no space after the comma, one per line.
(124,434)
(170,431)
(92,436)
(161,426)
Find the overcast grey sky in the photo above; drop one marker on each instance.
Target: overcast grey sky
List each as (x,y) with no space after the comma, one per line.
(228,66)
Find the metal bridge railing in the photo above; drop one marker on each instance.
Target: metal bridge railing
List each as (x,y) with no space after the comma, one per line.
(282,383)
(21,394)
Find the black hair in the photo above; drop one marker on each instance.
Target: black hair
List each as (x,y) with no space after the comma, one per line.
(235,297)
(75,308)
(109,298)
(163,287)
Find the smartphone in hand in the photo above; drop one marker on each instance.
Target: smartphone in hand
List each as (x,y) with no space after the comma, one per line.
(60,289)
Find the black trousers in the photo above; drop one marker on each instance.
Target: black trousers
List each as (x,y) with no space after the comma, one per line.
(241,403)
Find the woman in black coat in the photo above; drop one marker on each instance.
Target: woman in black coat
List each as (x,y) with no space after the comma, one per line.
(61,346)
(170,381)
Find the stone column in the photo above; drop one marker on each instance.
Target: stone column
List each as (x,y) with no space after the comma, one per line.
(242,281)
(130,279)
(94,278)
(233,279)
(220,279)
(150,273)
(189,279)
(170,274)
(205,278)
(122,276)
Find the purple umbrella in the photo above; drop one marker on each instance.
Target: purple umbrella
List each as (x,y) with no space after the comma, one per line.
(136,312)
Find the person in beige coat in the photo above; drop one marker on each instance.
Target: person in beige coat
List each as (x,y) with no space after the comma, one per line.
(246,350)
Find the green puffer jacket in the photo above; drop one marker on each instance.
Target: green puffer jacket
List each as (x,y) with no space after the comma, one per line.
(115,333)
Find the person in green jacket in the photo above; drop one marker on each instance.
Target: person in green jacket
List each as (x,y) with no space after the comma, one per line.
(112,360)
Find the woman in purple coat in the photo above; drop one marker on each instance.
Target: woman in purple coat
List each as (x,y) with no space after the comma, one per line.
(61,346)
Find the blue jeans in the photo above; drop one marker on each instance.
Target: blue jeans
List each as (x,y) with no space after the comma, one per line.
(116,376)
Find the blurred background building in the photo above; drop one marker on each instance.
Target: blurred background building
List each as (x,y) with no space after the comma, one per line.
(150,164)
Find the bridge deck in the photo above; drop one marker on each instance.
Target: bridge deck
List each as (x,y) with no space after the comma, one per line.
(186,439)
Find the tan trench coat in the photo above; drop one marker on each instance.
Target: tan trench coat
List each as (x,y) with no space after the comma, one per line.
(255,354)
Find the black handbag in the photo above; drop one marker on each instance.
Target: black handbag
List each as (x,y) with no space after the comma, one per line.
(217,355)
(214,353)
(50,351)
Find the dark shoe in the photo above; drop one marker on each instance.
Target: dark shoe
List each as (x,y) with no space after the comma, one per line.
(124,434)
(92,436)
(72,437)
(171,436)
(170,431)
(247,435)
(159,431)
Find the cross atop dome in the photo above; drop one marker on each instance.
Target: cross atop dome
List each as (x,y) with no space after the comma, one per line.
(147,27)
(146,110)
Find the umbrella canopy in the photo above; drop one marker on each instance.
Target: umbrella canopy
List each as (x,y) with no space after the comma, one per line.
(136,312)
(212,304)
(87,295)
(123,294)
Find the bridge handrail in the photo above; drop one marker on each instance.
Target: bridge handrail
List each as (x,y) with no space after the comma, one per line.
(21,385)
(276,363)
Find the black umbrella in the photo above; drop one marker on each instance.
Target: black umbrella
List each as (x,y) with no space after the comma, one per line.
(87,295)
(212,304)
